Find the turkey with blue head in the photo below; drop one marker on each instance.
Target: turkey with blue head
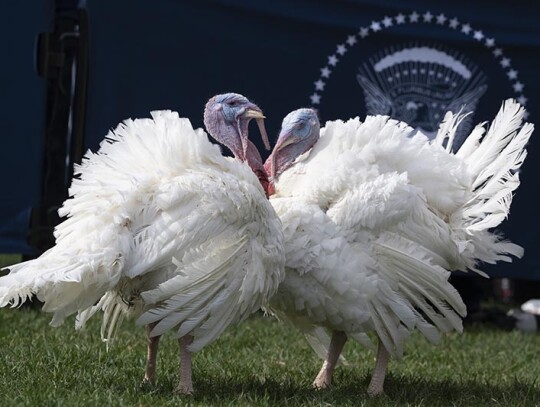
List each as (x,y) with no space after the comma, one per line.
(376,216)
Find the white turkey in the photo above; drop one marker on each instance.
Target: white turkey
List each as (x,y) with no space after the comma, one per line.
(375,217)
(162,226)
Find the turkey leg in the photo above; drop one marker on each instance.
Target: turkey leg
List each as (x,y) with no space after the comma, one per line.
(376,386)
(324,378)
(151,355)
(185,386)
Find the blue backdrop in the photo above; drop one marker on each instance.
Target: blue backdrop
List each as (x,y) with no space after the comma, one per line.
(345,58)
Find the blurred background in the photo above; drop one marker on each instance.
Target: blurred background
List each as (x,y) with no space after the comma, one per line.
(72,70)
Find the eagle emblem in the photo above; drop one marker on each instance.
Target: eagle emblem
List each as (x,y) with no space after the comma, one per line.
(419,84)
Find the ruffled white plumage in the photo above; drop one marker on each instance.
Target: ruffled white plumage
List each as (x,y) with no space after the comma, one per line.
(158,222)
(405,211)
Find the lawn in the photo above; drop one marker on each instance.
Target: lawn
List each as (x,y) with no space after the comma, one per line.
(261,362)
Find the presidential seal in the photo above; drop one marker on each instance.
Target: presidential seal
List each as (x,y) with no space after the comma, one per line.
(417,82)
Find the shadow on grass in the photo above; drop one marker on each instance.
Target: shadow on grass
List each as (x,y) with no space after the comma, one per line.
(398,391)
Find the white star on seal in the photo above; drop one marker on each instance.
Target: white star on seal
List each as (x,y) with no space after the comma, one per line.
(478,35)
(453,23)
(497,52)
(351,40)
(315,98)
(466,29)
(364,32)
(414,17)
(341,49)
(387,21)
(400,18)
(490,42)
(375,26)
(325,72)
(522,100)
(518,87)
(319,85)
(332,60)
(428,17)
(441,18)
(512,74)
(526,115)
(505,62)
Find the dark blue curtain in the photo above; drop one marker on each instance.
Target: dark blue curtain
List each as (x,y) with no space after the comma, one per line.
(22,105)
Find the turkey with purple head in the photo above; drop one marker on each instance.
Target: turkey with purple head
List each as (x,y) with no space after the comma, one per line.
(160,225)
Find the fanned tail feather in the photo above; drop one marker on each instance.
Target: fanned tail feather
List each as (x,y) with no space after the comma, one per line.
(437,305)
(62,298)
(66,282)
(493,161)
(448,127)
(15,289)
(494,165)
(501,131)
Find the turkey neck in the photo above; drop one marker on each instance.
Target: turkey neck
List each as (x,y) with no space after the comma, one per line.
(255,162)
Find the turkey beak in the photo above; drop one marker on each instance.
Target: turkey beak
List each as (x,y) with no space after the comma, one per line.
(254,112)
(285,138)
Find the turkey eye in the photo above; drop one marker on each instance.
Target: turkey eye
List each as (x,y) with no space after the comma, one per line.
(232,103)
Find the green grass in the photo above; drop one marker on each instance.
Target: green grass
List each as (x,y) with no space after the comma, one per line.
(9,259)
(259,363)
